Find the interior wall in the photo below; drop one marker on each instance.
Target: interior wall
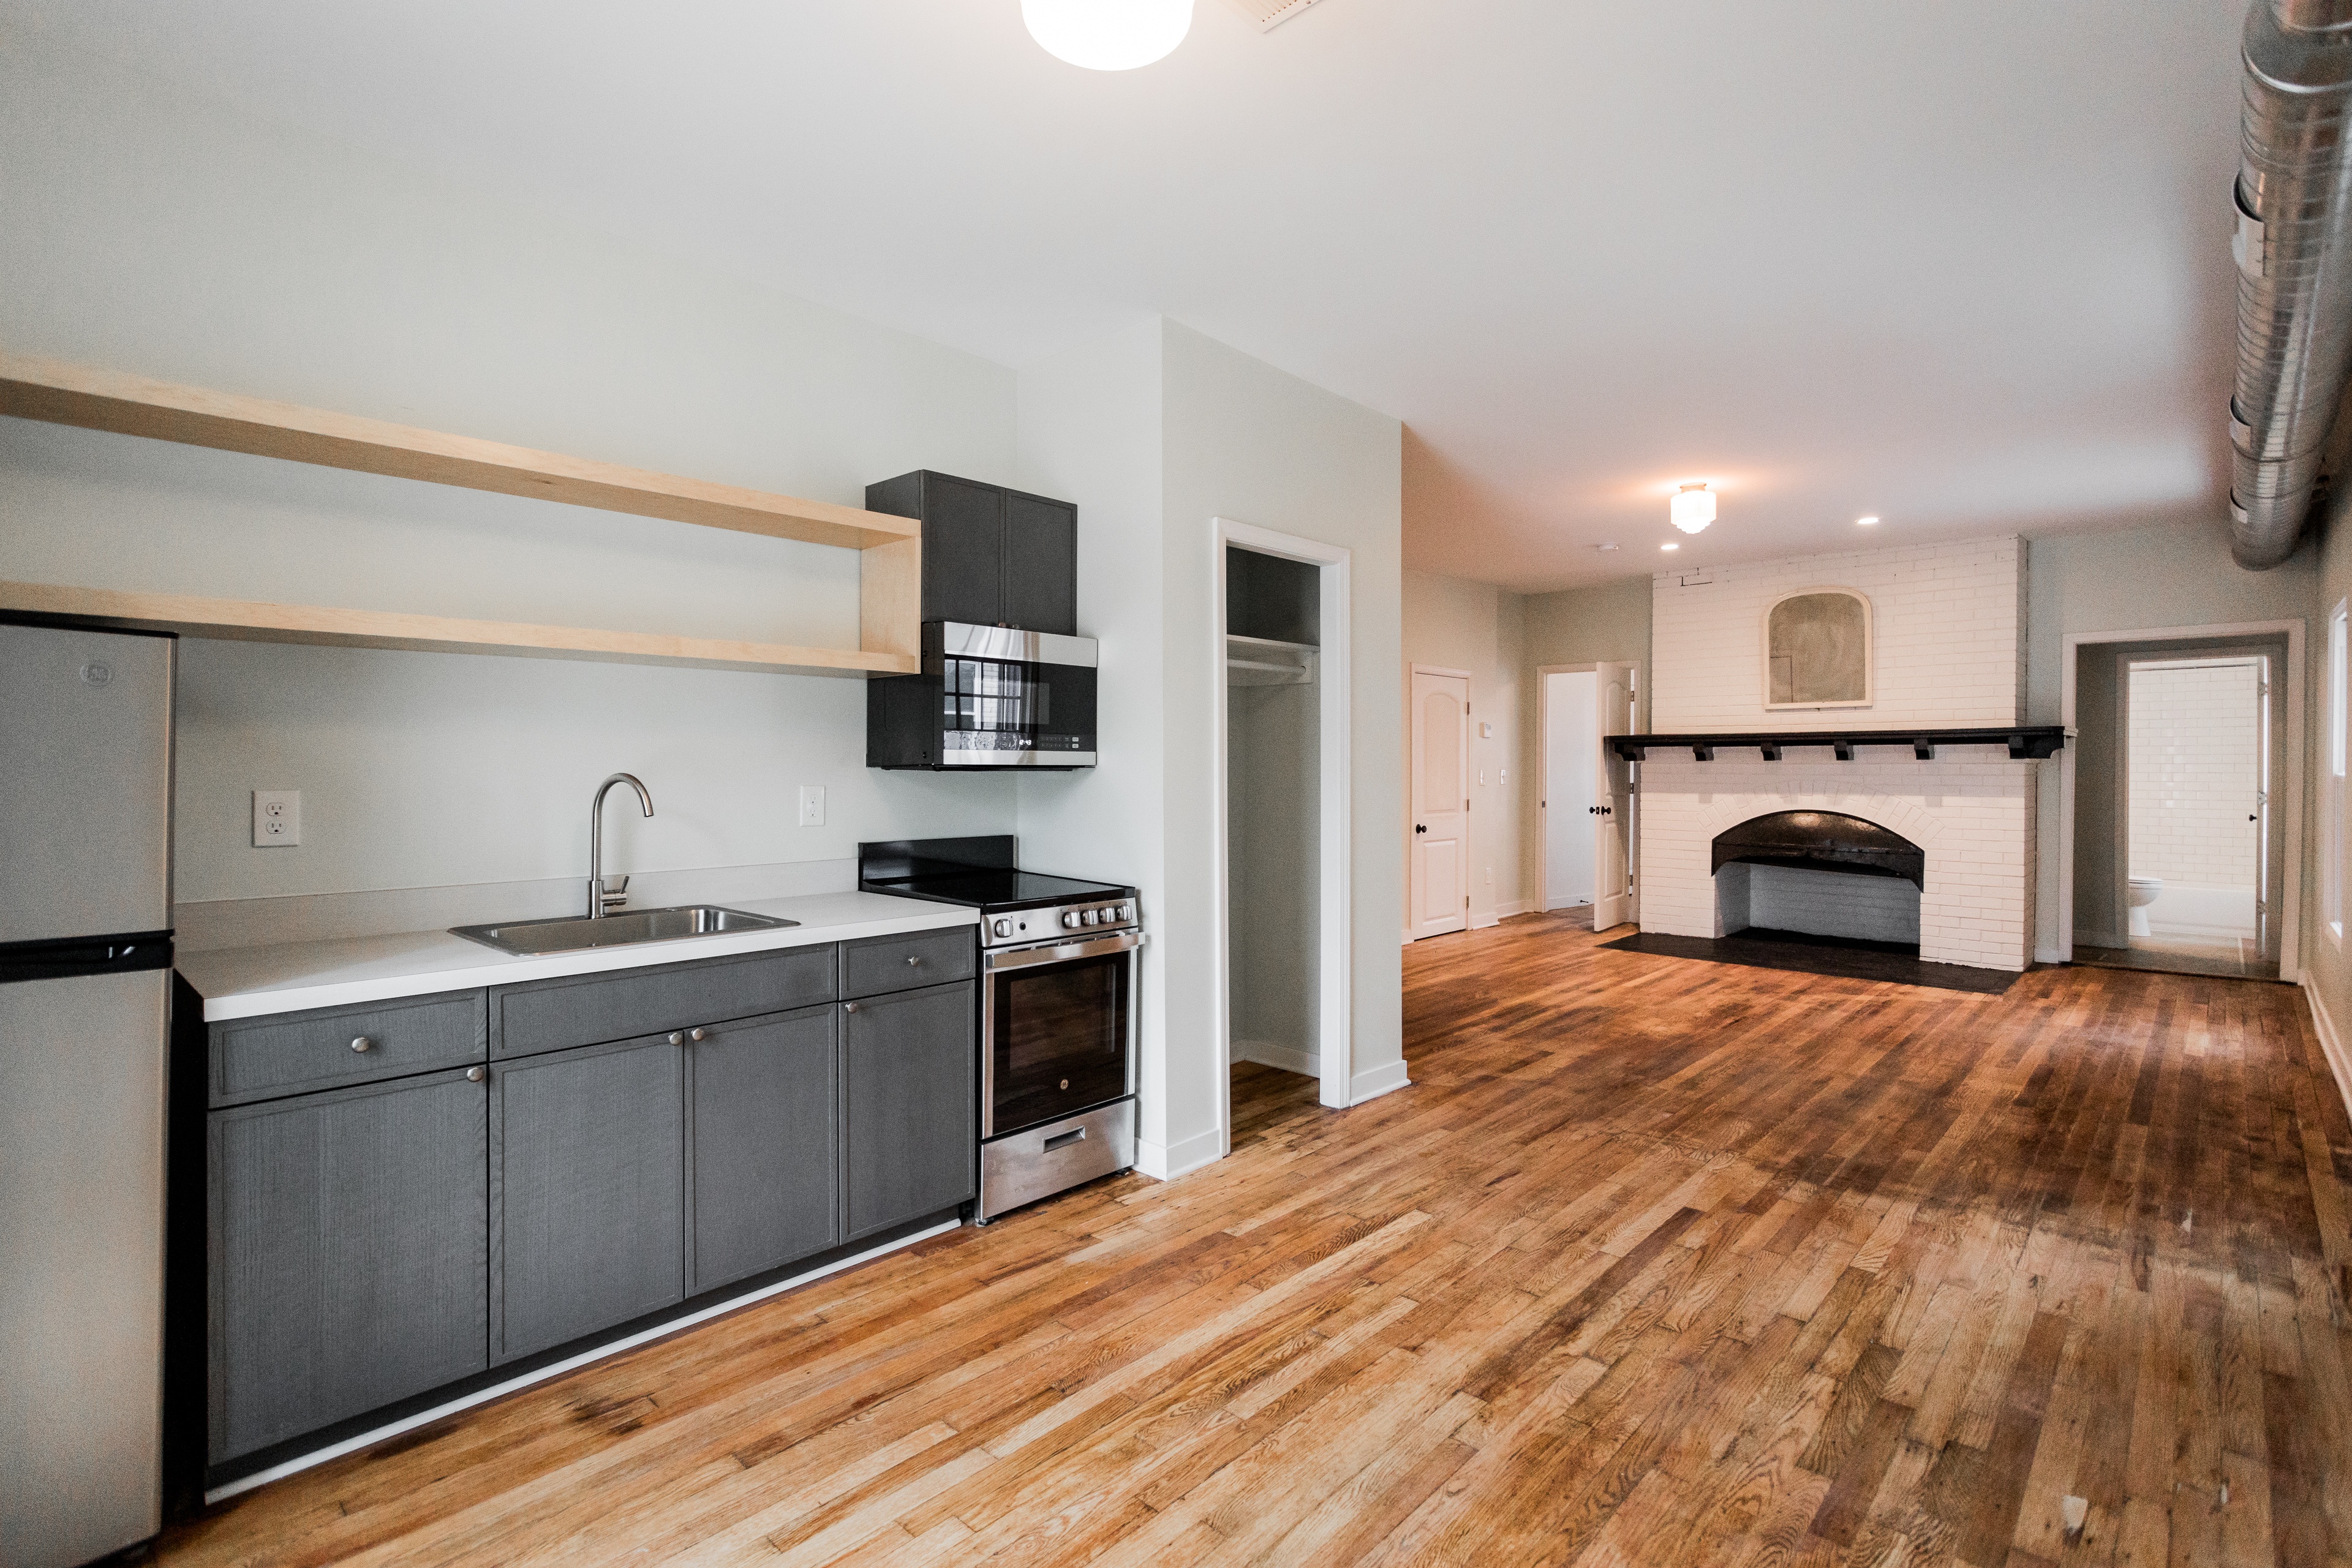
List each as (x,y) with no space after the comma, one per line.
(1253,444)
(146,228)
(1479,628)
(2101,913)
(2327,967)
(1156,433)
(2163,576)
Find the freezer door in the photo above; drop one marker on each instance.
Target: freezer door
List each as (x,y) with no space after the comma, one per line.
(85,783)
(82,1266)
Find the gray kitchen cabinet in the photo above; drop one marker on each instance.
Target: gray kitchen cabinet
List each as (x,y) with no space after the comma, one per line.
(766,1184)
(588,1009)
(912,1122)
(587,1191)
(348,1239)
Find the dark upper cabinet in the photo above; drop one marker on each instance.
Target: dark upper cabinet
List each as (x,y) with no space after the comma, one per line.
(991,556)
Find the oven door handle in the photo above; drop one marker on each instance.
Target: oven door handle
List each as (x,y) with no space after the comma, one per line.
(1063,953)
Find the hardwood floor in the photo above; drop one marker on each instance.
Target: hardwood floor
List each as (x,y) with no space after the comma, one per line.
(1658,1262)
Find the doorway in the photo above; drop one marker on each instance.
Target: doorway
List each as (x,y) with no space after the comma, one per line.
(1438,853)
(1281,768)
(2180,816)
(1570,797)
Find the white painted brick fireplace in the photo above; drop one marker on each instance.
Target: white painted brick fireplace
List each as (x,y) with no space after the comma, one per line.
(1948,641)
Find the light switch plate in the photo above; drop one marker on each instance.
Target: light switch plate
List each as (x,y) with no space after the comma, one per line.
(811,806)
(276,818)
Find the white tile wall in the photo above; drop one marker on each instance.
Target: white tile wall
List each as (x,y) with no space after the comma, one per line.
(1826,903)
(1947,624)
(1970,809)
(2195,768)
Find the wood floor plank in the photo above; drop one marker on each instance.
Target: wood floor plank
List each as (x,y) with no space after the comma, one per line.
(1658,1262)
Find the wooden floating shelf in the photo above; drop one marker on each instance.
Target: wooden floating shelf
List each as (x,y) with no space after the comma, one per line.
(889,561)
(2035,741)
(247,621)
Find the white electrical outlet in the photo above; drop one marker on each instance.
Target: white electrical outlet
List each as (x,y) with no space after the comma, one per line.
(276,818)
(811,806)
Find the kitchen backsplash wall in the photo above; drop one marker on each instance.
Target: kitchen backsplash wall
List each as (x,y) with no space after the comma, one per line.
(148,229)
(1948,633)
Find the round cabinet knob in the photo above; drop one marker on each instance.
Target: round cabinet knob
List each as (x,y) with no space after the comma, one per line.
(677,1038)
(1005,928)
(1065,1083)
(914,960)
(476,1075)
(363,1044)
(849,1007)
(697,1035)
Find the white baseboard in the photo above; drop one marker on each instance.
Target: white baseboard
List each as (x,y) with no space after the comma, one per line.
(2048,955)
(2331,1044)
(500,1390)
(1166,1162)
(1515,907)
(2101,939)
(1289,1058)
(1480,922)
(1373,1083)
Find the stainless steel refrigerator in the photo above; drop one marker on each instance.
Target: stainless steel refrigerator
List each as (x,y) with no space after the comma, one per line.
(85,998)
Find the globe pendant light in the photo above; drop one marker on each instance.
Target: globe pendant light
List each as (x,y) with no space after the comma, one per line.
(1693,508)
(1107,34)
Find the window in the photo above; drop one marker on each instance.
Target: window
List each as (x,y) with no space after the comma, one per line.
(2331,878)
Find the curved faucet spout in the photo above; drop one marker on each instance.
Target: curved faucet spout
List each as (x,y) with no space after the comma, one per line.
(596,894)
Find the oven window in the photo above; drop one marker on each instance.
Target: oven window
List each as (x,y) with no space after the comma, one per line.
(1058,1036)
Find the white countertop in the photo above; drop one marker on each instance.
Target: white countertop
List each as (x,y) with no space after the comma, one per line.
(291,977)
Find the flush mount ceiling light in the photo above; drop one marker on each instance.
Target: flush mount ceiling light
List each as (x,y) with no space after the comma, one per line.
(1107,34)
(1693,507)
(1670,546)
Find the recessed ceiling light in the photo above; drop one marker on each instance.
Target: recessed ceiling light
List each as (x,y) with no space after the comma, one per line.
(1611,545)
(1670,546)
(1107,34)
(1866,521)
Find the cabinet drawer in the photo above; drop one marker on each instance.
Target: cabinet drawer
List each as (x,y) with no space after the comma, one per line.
(588,1010)
(293,1053)
(883,963)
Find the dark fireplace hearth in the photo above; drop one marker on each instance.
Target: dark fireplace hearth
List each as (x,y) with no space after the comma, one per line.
(1821,841)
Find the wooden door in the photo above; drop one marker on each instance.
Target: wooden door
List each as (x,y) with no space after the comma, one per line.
(910,1080)
(588,1148)
(349,1254)
(1615,901)
(1441,804)
(766,1185)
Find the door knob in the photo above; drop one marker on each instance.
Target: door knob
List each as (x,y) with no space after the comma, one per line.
(1417,827)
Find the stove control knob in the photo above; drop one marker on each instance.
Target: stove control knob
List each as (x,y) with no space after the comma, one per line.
(1003,928)
(1070,920)
(1094,917)
(1127,912)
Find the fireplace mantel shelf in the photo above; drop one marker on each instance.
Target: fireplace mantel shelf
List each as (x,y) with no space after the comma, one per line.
(2037,742)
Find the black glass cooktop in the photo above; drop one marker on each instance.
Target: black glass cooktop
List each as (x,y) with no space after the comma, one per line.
(979,873)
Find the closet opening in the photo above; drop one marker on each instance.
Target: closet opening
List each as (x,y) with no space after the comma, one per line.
(1282,787)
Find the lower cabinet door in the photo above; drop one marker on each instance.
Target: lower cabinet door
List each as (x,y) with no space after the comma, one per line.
(911,1071)
(766,1167)
(350,1255)
(588,1192)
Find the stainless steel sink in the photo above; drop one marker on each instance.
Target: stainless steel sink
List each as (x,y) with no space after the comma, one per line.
(622,928)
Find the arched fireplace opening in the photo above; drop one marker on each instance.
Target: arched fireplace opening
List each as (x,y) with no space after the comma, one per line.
(1819,874)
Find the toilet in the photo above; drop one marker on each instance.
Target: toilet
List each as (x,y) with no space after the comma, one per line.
(2145,891)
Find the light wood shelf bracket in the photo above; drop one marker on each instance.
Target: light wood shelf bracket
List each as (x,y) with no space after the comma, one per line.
(890,548)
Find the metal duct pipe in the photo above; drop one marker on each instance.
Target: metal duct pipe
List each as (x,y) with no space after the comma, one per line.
(2295,268)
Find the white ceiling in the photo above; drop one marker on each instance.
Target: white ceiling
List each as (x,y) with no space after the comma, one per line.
(1961,265)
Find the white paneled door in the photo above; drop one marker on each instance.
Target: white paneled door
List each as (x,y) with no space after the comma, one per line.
(1613,901)
(1441,802)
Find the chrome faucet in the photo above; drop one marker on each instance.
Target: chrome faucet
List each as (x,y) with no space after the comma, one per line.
(602,897)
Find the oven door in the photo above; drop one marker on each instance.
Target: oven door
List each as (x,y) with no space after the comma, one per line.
(1057,1030)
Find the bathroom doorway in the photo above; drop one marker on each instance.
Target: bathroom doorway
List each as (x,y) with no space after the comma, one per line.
(2179,807)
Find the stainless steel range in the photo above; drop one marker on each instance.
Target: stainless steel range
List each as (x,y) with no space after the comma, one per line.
(1056,1010)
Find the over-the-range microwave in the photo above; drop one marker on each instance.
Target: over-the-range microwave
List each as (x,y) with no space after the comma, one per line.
(989,697)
